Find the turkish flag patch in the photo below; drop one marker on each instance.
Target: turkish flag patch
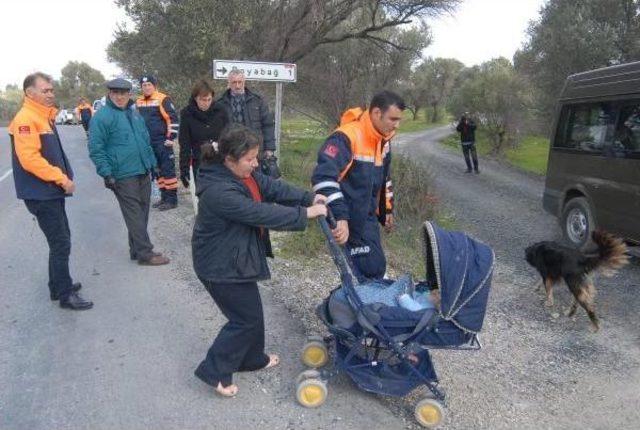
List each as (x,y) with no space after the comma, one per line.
(331,150)
(24,129)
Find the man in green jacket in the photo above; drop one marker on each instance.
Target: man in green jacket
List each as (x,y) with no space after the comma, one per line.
(119,146)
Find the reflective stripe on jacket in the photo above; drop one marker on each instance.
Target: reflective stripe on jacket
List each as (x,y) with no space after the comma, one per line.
(353,171)
(160,116)
(40,166)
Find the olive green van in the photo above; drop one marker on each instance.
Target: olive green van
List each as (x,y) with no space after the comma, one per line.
(593,174)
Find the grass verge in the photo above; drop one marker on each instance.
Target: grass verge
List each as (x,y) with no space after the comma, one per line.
(531,154)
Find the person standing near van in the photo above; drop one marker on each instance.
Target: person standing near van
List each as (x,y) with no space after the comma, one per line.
(162,121)
(467,129)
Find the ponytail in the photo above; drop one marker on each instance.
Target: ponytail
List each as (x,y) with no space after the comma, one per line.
(235,141)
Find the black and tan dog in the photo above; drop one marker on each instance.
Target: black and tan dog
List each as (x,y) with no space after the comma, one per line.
(556,262)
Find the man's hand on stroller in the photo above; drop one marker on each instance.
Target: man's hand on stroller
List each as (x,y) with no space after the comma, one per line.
(319,199)
(316,210)
(341,232)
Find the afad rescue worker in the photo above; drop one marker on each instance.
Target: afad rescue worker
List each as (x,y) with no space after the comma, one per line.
(43,179)
(162,122)
(84,112)
(353,172)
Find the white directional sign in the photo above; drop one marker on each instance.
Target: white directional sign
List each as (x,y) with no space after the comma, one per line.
(256,70)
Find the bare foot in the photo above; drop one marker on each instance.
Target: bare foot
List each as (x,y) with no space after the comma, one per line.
(413,358)
(274,360)
(228,391)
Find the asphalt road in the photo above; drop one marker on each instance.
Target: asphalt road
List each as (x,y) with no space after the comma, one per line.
(128,363)
(539,369)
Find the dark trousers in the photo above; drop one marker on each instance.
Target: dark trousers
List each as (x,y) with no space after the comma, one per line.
(134,195)
(364,248)
(470,148)
(52,219)
(167,181)
(240,344)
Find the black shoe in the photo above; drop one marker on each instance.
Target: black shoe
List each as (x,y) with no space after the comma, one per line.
(468,171)
(477,171)
(166,206)
(75,302)
(156,204)
(75,287)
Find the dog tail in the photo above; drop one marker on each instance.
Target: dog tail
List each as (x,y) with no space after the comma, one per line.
(612,254)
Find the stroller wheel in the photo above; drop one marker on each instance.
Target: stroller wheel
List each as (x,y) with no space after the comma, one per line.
(311,393)
(315,354)
(307,374)
(429,413)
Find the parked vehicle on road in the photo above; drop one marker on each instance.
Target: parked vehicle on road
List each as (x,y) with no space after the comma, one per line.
(66,116)
(593,174)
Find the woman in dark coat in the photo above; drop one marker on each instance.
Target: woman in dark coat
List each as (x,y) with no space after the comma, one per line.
(200,122)
(230,244)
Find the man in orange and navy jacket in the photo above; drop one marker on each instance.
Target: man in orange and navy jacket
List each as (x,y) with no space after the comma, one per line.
(85,112)
(162,122)
(43,179)
(353,172)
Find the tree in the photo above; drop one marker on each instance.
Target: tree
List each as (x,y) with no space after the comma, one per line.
(178,40)
(577,35)
(435,79)
(497,97)
(349,73)
(78,79)
(10,101)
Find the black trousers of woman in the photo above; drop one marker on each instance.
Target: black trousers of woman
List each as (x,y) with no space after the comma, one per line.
(470,148)
(240,344)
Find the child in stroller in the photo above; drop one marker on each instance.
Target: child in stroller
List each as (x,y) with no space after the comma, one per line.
(382,331)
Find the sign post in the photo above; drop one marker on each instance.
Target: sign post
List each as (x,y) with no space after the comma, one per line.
(261,71)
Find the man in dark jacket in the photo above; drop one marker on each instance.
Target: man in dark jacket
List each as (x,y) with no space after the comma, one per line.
(200,122)
(246,107)
(467,129)
(119,147)
(43,179)
(354,173)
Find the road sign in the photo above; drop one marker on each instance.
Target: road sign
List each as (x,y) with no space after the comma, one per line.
(256,70)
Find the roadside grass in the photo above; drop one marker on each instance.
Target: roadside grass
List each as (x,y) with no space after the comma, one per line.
(422,121)
(531,155)
(415,201)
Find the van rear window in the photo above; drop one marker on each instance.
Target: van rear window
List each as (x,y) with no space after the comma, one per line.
(586,127)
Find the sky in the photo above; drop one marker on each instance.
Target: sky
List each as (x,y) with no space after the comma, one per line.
(45,35)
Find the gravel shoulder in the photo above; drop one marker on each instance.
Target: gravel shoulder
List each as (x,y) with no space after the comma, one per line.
(538,368)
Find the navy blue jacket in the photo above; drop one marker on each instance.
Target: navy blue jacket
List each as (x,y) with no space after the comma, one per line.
(230,242)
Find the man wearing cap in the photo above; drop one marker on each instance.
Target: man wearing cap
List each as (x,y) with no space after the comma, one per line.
(43,179)
(162,122)
(119,147)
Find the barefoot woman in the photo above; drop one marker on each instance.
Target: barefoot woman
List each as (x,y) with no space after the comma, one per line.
(230,244)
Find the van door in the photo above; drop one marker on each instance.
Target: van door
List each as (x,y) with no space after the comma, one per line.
(621,174)
(580,154)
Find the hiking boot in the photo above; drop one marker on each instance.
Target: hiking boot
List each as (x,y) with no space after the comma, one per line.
(154,260)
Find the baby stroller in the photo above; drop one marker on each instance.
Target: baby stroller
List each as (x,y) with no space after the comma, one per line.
(384,347)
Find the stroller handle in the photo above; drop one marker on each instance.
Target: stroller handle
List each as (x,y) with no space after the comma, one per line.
(340,259)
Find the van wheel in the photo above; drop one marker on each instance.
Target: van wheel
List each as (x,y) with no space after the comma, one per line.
(577,223)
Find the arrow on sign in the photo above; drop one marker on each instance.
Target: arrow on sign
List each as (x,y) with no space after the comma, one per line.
(223,70)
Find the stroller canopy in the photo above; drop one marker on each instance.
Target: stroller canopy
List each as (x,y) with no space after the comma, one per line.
(461,268)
